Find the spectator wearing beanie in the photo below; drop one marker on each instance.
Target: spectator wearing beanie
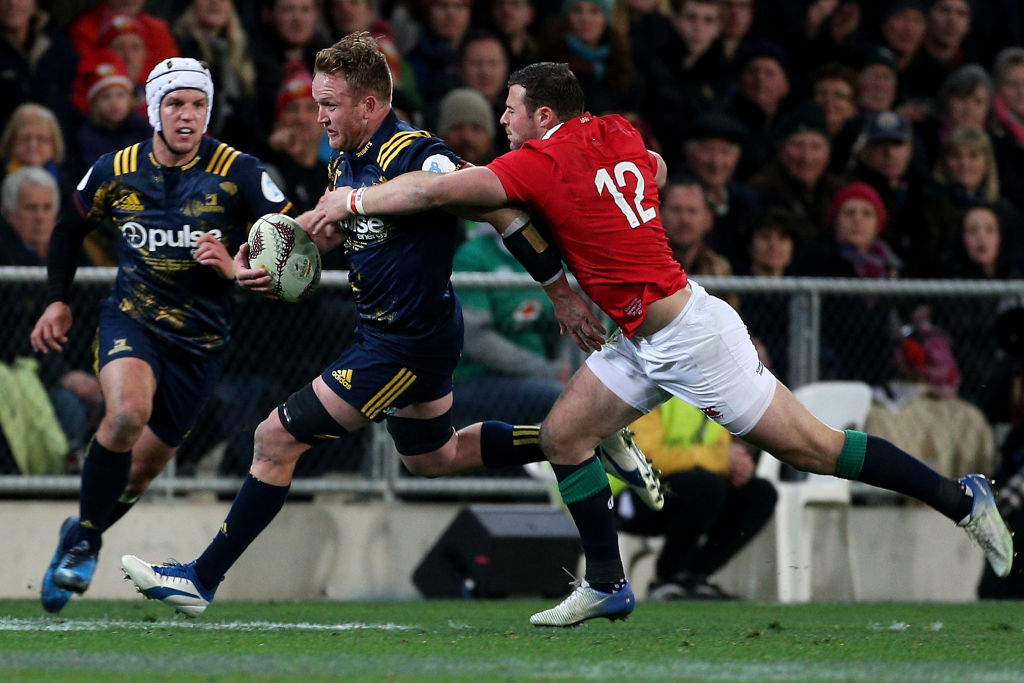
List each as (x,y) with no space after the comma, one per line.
(295,142)
(466,123)
(85,31)
(857,342)
(124,34)
(920,214)
(798,179)
(762,97)
(712,152)
(106,96)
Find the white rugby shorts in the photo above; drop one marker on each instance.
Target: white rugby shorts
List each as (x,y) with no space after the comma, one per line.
(704,356)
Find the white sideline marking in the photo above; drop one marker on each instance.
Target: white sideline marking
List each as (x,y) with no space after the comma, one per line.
(49,625)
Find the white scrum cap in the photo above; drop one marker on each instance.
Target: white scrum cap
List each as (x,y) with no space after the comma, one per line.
(172,74)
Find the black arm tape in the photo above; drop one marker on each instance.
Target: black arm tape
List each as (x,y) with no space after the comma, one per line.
(306,419)
(417,437)
(62,257)
(524,241)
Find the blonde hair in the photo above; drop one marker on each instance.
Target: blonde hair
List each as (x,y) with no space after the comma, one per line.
(360,62)
(30,112)
(237,57)
(967,137)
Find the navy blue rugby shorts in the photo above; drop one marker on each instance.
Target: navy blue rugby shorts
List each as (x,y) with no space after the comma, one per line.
(184,381)
(378,385)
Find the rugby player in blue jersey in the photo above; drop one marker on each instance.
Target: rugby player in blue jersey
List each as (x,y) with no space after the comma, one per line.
(408,341)
(182,203)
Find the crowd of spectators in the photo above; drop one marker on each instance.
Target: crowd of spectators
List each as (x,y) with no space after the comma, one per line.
(765,103)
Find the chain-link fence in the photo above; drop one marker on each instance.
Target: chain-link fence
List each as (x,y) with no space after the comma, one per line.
(810,329)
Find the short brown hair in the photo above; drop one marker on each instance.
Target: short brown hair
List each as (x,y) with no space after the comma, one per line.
(550,84)
(360,62)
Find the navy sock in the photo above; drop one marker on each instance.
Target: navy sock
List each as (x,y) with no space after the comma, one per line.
(255,506)
(124,504)
(502,444)
(586,493)
(889,467)
(104,476)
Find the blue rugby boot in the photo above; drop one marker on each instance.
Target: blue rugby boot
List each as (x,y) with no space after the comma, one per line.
(586,603)
(172,583)
(986,526)
(622,458)
(76,567)
(53,597)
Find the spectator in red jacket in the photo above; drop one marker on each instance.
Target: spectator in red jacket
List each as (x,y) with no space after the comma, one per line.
(85,30)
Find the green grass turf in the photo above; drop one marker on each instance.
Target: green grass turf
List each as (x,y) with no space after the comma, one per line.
(493,641)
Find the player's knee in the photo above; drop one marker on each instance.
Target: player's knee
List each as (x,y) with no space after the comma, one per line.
(429,466)
(124,423)
(270,439)
(560,445)
(420,443)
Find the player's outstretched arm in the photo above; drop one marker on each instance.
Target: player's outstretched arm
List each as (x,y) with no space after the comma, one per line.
(413,192)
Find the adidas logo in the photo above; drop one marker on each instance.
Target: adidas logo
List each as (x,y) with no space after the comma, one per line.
(130,202)
(343,377)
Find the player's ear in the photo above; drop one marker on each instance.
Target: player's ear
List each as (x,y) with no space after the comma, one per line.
(545,117)
(370,104)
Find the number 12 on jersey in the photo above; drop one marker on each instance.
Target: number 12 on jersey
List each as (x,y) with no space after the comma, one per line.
(603,181)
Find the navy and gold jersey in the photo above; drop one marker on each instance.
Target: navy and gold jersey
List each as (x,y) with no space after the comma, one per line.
(401,266)
(161,212)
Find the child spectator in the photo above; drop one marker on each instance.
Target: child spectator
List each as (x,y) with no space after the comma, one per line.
(106,96)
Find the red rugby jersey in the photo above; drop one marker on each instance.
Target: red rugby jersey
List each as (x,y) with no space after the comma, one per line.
(592,182)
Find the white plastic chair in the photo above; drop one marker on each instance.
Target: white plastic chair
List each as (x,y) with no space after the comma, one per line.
(839,404)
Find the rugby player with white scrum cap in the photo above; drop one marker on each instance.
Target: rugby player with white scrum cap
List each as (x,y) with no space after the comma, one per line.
(182,203)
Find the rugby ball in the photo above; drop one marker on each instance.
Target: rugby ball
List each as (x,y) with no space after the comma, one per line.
(280,246)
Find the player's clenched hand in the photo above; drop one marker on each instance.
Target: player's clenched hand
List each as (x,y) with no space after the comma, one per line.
(51,330)
(210,251)
(575,316)
(331,208)
(254,279)
(325,240)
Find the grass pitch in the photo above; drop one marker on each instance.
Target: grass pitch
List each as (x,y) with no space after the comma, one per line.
(95,640)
